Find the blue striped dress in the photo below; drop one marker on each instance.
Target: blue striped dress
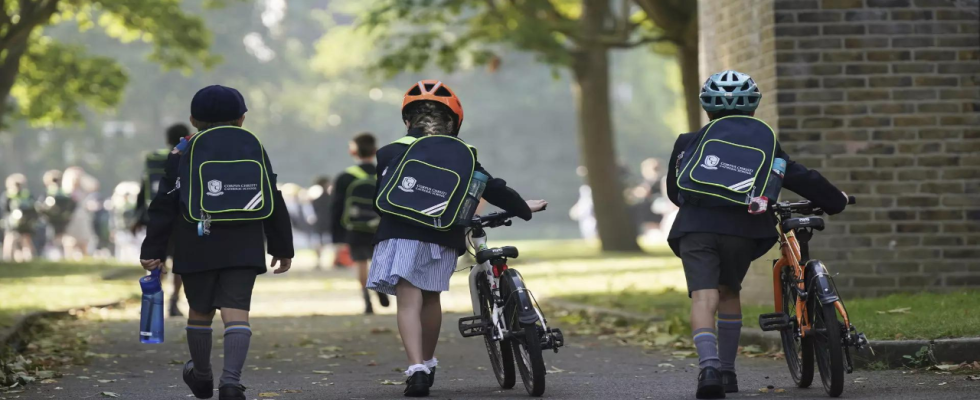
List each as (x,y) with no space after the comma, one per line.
(427,266)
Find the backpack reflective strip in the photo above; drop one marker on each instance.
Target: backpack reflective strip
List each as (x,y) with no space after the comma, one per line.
(357,172)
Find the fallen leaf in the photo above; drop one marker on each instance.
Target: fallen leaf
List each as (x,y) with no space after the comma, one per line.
(973,378)
(109,394)
(378,331)
(292,391)
(49,381)
(904,310)
(322,372)
(780,391)
(372,363)
(44,374)
(390,383)
(331,349)
(945,367)
(764,390)
(267,395)
(106,380)
(942,383)
(665,365)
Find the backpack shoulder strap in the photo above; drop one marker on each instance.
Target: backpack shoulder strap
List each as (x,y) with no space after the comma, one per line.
(357,172)
(406,140)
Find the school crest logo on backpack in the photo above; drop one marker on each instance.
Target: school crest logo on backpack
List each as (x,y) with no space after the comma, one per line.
(711,162)
(408,184)
(214,188)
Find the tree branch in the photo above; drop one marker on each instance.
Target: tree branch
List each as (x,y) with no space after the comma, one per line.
(635,43)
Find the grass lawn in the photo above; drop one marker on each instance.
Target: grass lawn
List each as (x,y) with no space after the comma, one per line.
(900,316)
(36,286)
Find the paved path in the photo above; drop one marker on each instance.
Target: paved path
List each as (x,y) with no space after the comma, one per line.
(349,357)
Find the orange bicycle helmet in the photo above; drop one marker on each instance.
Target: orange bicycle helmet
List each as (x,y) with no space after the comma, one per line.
(434,90)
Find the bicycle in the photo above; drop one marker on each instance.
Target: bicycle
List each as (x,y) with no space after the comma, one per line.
(506,313)
(808,305)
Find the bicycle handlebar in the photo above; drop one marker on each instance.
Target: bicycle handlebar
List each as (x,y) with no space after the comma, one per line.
(493,220)
(805,207)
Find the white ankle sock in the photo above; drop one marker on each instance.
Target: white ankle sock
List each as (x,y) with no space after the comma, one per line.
(431,363)
(416,368)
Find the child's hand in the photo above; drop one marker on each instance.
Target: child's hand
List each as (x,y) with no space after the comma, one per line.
(151,265)
(537,205)
(284,264)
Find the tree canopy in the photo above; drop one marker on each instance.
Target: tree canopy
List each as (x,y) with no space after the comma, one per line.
(46,80)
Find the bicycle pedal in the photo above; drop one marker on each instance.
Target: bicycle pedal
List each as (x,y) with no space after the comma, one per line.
(472,326)
(774,322)
(552,340)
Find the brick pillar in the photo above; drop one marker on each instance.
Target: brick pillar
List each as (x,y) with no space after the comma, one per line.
(883,97)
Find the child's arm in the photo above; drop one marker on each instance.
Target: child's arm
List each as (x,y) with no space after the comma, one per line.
(673,167)
(812,186)
(338,202)
(161,214)
(500,195)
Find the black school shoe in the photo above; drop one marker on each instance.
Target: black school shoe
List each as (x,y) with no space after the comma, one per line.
(729,380)
(709,384)
(432,376)
(231,392)
(417,385)
(202,388)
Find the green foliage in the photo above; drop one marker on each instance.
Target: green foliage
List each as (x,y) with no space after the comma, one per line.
(921,359)
(55,79)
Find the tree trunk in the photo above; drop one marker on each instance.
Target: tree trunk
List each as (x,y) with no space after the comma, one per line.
(598,152)
(687,56)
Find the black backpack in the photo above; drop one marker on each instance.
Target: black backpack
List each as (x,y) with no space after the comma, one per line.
(428,185)
(727,163)
(153,172)
(359,214)
(223,176)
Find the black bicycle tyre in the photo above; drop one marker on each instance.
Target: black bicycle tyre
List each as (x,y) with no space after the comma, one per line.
(827,346)
(530,361)
(798,351)
(501,354)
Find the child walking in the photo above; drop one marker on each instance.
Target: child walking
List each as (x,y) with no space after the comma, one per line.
(351,199)
(716,244)
(218,269)
(413,262)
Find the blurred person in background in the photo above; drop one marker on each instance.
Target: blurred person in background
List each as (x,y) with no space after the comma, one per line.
(124,216)
(583,211)
(291,194)
(80,234)
(153,172)
(56,210)
(359,238)
(20,220)
(101,219)
(321,195)
(645,194)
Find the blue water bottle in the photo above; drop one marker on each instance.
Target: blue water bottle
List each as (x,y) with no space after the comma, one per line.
(151,314)
(473,194)
(759,205)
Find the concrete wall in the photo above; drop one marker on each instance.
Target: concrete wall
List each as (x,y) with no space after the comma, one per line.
(883,97)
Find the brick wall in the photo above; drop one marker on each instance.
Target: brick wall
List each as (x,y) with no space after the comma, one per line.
(883,97)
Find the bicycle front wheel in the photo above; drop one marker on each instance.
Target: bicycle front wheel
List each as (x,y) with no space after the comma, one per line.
(530,362)
(827,346)
(798,350)
(500,352)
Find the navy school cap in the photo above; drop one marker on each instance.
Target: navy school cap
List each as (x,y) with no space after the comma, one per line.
(218,103)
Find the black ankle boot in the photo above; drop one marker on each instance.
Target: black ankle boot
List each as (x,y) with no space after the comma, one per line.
(231,392)
(202,388)
(730,381)
(709,384)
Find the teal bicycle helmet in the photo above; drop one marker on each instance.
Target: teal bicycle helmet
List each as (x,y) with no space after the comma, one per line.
(730,90)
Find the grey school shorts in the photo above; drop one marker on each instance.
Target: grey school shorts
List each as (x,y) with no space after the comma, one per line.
(712,259)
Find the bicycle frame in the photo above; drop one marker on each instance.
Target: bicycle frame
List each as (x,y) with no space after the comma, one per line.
(791,256)
(486,270)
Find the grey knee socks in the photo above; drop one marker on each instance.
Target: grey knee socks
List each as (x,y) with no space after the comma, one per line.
(729,330)
(238,334)
(199,343)
(707,345)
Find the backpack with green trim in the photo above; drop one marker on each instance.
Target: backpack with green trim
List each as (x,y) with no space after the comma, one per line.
(224,176)
(153,172)
(359,214)
(429,183)
(728,163)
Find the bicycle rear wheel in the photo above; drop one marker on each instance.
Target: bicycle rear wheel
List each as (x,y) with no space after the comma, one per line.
(827,346)
(798,351)
(500,352)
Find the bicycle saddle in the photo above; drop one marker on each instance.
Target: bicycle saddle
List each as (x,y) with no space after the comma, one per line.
(805,222)
(502,252)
